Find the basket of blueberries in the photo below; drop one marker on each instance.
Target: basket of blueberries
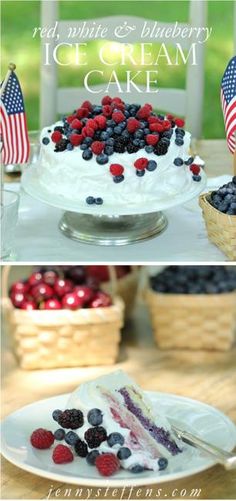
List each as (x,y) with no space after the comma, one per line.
(193,307)
(219,212)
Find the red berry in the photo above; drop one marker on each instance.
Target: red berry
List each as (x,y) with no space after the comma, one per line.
(17,299)
(51,304)
(153,120)
(62,454)
(144,112)
(35,278)
(41,291)
(195,169)
(84,293)
(107,464)
(152,139)
(92,123)
(19,286)
(88,132)
(116,169)
(29,305)
(56,136)
(41,438)
(70,118)
(118,106)
(88,105)
(170,117)
(132,125)
(166,124)
(63,286)
(156,127)
(141,163)
(71,301)
(118,116)
(117,100)
(179,122)
(82,113)
(100,300)
(106,100)
(76,139)
(101,121)
(76,124)
(97,147)
(107,110)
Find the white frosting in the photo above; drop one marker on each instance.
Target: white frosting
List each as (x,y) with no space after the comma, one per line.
(67,174)
(90,395)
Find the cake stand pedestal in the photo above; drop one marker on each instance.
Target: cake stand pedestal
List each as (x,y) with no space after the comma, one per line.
(112,230)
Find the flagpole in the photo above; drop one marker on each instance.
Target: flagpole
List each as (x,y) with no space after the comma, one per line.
(11,68)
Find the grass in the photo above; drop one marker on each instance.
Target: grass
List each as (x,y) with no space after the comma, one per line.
(19,19)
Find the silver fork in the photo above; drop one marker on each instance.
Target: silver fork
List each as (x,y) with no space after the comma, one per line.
(227,459)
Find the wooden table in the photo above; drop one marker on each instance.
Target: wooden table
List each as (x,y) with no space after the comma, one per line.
(206,376)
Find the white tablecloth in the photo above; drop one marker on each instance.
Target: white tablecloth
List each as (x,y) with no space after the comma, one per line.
(38,238)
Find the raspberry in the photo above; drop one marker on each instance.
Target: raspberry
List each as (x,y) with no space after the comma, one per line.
(107,464)
(152,139)
(179,122)
(118,116)
(107,110)
(97,147)
(76,124)
(153,120)
(56,136)
(195,169)
(92,123)
(144,112)
(42,439)
(62,454)
(95,436)
(170,117)
(70,118)
(76,139)
(117,100)
(88,132)
(82,113)
(81,448)
(141,163)
(116,169)
(166,124)
(71,418)
(106,100)
(118,106)
(156,127)
(88,105)
(101,121)
(132,125)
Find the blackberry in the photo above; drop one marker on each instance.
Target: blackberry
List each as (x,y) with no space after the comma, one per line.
(161,148)
(97,135)
(131,148)
(95,436)
(81,448)
(61,145)
(71,418)
(119,145)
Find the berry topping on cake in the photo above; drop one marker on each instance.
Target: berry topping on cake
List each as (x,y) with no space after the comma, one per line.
(92,456)
(195,169)
(97,147)
(95,417)
(106,100)
(178,161)
(141,163)
(151,166)
(81,448)
(162,463)
(197,178)
(90,200)
(124,453)
(42,439)
(71,418)
(45,140)
(152,139)
(118,116)
(56,136)
(116,169)
(62,454)
(59,434)
(76,124)
(107,464)
(132,125)
(118,179)
(179,122)
(115,438)
(76,139)
(95,436)
(71,437)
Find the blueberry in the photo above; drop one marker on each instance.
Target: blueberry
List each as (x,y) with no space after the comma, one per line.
(178,161)
(197,178)
(138,468)
(179,142)
(115,438)
(109,131)
(117,130)
(139,134)
(124,453)
(98,201)
(149,149)
(91,457)
(161,117)
(234,179)
(146,131)
(97,110)
(126,113)
(118,179)
(94,417)
(142,143)
(59,434)
(165,140)
(88,140)
(152,165)
(102,159)
(87,154)
(189,161)
(71,437)
(90,200)
(136,142)
(104,135)
(179,132)
(70,147)
(162,463)
(45,140)
(108,150)
(140,173)
(56,414)
(83,146)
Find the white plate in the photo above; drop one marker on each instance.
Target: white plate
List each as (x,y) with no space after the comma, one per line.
(201,419)
(30,183)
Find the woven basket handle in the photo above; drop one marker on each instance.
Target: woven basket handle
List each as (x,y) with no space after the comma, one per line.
(5,275)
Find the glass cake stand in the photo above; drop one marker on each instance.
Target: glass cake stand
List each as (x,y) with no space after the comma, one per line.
(109,225)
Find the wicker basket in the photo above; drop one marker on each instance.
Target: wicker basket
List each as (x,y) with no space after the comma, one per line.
(196,321)
(125,287)
(221,228)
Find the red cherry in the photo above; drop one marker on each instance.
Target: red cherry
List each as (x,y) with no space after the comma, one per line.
(17,299)
(20,286)
(51,304)
(71,301)
(100,300)
(29,305)
(49,277)
(41,291)
(62,286)
(35,278)
(84,293)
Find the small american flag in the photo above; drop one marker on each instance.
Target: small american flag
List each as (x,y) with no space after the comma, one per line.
(15,148)
(228,102)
